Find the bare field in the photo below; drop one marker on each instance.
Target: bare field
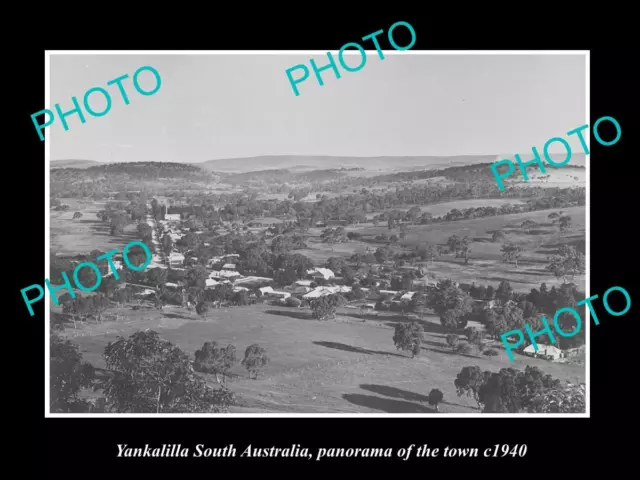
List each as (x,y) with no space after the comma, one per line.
(81,236)
(348,365)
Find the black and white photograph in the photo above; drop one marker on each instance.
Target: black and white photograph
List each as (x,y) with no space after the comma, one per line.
(220,246)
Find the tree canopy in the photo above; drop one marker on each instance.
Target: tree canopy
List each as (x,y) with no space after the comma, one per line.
(151,375)
(516,391)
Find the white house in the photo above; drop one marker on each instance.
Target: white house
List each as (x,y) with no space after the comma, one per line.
(323,291)
(224,274)
(117,264)
(229,266)
(321,273)
(548,352)
(172,217)
(301,289)
(253,280)
(270,292)
(407,296)
(388,292)
(145,292)
(275,293)
(209,282)
(176,259)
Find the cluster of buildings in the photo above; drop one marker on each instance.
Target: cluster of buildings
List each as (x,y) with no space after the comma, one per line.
(171,225)
(306,289)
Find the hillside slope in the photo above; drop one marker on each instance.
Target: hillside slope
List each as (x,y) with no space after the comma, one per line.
(305,163)
(73,163)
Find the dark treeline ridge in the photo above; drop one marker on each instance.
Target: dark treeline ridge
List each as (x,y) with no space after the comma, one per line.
(99,180)
(138,169)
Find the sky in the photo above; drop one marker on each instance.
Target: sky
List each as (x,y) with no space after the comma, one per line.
(231,106)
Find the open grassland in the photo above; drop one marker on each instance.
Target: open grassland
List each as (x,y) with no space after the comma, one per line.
(485,264)
(81,236)
(560,177)
(440,209)
(348,365)
(319,252)
(481,229)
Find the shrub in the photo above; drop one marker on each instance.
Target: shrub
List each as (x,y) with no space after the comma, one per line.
(255,359)
(465,349)
(293,302)
(453,341)
(435,397)
(381,307)
(324,308)
(202,308)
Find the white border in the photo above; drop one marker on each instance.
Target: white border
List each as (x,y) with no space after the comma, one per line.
(47,135)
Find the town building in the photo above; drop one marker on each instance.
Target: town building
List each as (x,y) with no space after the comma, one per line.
(225,274)
(176,259)
(265,222)
(547,352)
(323,273)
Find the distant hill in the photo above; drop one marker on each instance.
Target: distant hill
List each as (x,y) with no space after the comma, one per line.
(302,163)
(139,171)
(73,163)
(577,159)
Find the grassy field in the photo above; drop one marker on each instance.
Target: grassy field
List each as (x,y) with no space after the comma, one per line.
(440,209)
(349,365)
(562,178)
(81,236)
(320,252)
(485,264)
